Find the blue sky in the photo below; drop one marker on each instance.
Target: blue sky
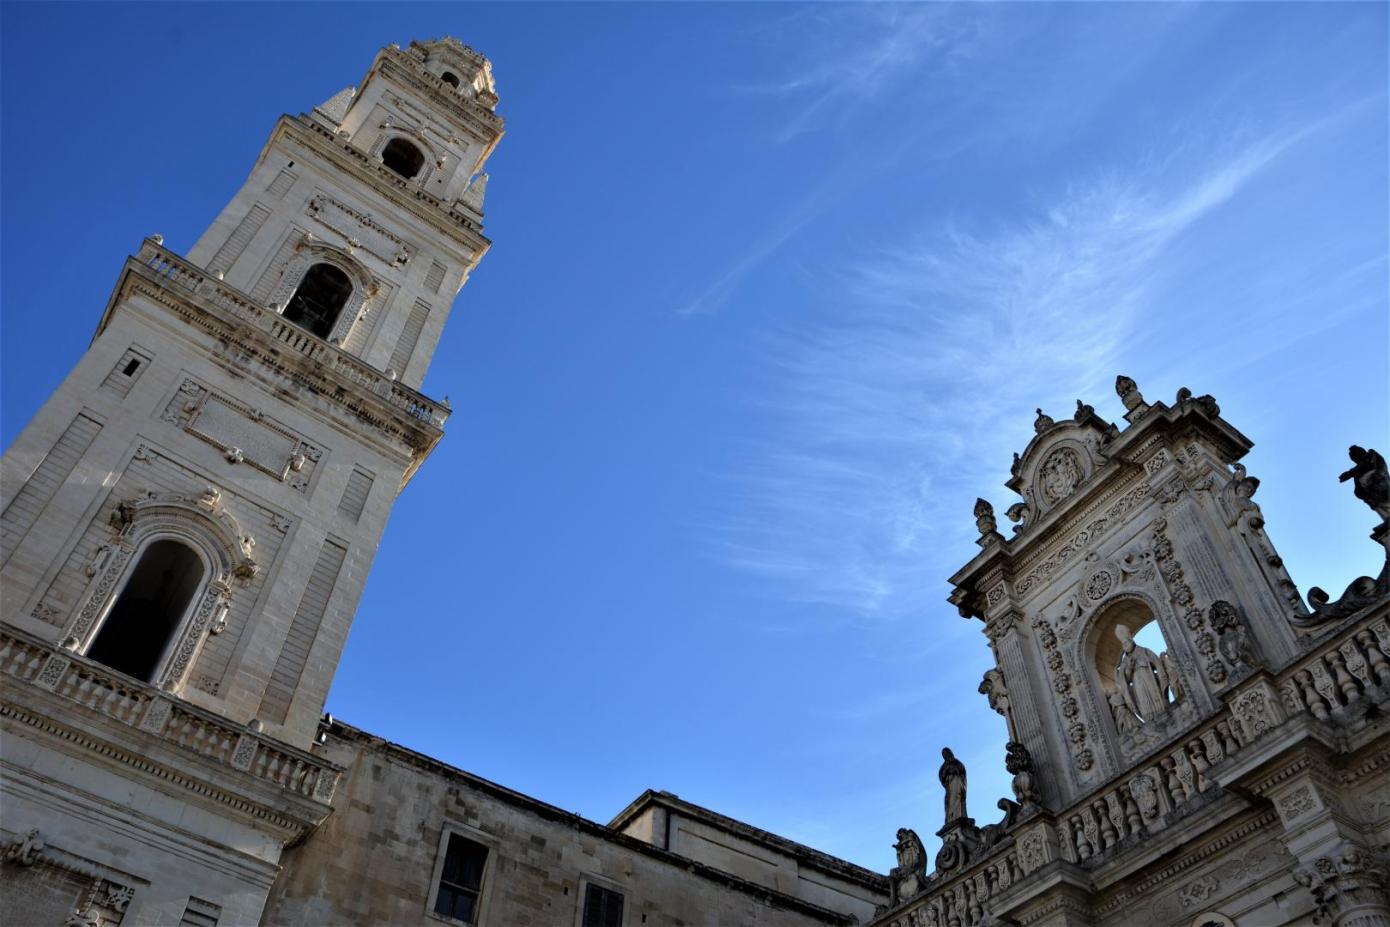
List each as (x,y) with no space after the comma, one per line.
(775,290)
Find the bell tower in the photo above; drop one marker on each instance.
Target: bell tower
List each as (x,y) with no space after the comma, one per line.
(189,520)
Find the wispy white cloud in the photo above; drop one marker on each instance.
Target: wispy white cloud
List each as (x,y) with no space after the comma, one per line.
(853,53)
(896,413)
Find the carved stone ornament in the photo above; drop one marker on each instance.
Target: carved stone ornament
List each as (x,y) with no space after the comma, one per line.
(1043,422)
(1129,394)
(985,520)
(1019,763)
(1372,486)
(1344,883)
(1059,475)
(909,878)
(24,850)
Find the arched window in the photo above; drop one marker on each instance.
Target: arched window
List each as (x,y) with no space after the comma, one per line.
(1138,676)
(403,158)
(141,623)
(450,78)
(318,300)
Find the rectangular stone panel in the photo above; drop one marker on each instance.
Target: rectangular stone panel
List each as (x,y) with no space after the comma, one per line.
(241,236)
(294,654)
(24,510)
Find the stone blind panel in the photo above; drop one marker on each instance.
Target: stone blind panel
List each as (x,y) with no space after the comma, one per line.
(410,335)
(122,377)
(281,184)
(271,274)
(284,680)
(359,485)
(435,278)
(246,230)
(200,913)
(23,511)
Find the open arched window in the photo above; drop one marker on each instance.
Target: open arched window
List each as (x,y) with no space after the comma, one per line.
(319,298)
(403,158)
(450,78)
(141,624)
(1138,676)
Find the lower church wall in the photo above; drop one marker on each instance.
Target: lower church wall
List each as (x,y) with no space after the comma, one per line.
(377,859)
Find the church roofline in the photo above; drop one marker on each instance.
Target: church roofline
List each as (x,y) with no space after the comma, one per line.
(347,732)
(807,855)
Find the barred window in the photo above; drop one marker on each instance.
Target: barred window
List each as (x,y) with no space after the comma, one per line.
(603,907)
(461,880)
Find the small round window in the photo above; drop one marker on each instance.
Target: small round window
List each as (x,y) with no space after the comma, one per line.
(403,158)
(450,78)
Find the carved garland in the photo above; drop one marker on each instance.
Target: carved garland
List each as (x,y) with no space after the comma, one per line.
(1183,601)
(1062,685)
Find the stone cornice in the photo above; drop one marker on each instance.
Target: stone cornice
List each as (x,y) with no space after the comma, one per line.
(342,383)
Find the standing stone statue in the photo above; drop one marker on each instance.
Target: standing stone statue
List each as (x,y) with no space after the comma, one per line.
(1370,480)
(1144,680)
(952,776)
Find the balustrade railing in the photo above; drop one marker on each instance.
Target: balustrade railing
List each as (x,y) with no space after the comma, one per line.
(1341,673)
(179,724)
(180,273)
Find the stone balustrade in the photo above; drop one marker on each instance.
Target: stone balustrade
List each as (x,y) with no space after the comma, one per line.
(178,723)
(1340,673)
(959,900)
(180,274)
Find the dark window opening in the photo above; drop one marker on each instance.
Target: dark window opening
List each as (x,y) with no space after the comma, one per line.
(402,157)
(450,78)
(321,295)
(131,366)
(462,879)
(603,907)
(141,624)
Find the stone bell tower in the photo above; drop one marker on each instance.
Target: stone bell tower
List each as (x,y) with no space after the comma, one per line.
(189,520)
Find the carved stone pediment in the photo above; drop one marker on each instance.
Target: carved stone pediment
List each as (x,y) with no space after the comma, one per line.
(1061,458)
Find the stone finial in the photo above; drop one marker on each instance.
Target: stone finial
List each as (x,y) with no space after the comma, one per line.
(157,238)
(1083,411)
(985,520)
(1042,422)
(1129,394)
(1370,480)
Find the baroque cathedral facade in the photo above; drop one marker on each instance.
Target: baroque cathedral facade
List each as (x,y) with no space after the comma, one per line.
(188,522)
